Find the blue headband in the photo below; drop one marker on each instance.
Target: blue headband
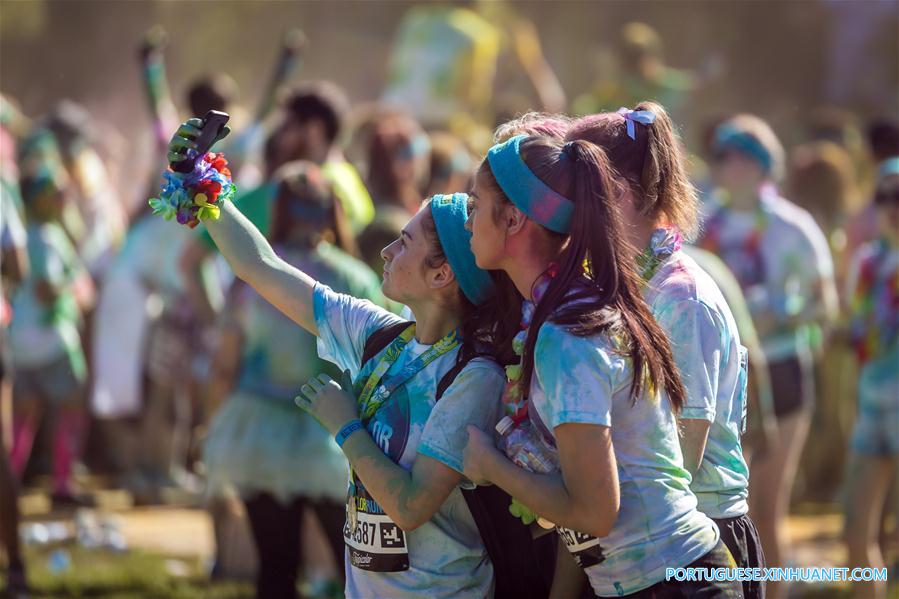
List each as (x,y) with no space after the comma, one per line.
(529,194)
(888,167)
(450,213)
(728,137)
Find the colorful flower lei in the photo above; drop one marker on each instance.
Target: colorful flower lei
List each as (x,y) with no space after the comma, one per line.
(514,396)
(662,244)
(195,196)
(874,324)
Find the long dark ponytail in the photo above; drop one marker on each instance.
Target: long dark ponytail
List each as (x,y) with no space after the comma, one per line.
(608,297)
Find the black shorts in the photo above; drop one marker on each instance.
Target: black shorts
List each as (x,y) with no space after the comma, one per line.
(792,384)
(742,538)
(718,557)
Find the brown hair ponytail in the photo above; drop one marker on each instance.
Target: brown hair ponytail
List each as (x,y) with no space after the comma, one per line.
(653,164)
(609,299)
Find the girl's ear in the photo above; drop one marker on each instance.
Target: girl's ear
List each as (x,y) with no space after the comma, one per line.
(514,219)
(441,277)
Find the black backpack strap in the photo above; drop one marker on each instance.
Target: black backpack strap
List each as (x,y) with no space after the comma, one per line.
(381,338)
(523,567)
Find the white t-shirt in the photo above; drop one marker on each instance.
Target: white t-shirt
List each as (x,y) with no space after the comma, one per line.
(780,279)
(446,555)
(688,305)
(586,380)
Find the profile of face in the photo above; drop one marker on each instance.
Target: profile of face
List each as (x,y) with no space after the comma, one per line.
(488,234)
(408,278)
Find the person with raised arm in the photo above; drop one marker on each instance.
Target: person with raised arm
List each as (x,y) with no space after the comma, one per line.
(402,420)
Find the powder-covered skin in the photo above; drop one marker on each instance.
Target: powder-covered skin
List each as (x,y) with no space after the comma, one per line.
(446,554)
(586,380)
(877,421)
(706,346)
(779,287)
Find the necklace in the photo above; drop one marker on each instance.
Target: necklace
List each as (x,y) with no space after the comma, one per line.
(744,259)
(663,242)
(514,397)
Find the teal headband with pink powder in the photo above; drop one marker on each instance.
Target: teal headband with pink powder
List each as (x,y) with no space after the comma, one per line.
(525,190)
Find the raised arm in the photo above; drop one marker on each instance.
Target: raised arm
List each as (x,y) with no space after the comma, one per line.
(253,260)
(246,249)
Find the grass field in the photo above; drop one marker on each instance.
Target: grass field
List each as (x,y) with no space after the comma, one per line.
(135,574)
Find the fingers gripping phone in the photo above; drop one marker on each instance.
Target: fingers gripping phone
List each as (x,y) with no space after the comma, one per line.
(213,123)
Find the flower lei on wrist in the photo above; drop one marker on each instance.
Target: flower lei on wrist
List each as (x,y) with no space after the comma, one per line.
(195,196)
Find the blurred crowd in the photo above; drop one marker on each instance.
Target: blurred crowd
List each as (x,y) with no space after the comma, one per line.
(129,349)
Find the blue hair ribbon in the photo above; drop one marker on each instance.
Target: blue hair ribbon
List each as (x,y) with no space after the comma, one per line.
(450,212)
(644,117)
(524,189)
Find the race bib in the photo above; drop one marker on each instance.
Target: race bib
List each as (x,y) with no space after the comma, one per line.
(374,542)
(583,547)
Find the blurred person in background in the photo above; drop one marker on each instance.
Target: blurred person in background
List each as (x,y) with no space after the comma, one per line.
(14,268)
(399,153)
(643,74)
(309,128)
(101,211)
(452,165)
(277,457)
(843,128)
(883,144)
(380,232)
(49,362)
(873,294)
(134,402)
(783,263)
(821,179)
(445,60)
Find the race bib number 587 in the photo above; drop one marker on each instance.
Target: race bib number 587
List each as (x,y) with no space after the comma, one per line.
(376,544)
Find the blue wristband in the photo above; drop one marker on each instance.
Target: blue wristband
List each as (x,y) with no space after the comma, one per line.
(348,429)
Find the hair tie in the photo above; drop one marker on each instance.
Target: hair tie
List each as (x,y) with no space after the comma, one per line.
(568,149)
(644,117)
(525,190)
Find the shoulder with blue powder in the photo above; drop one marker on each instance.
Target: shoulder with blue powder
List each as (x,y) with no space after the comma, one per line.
(796,228)
(701,330)
(354,274)
(577,375)
(344,324)
(473,398)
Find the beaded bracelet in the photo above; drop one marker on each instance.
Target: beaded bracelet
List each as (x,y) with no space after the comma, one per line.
(195,196)
(348,429)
